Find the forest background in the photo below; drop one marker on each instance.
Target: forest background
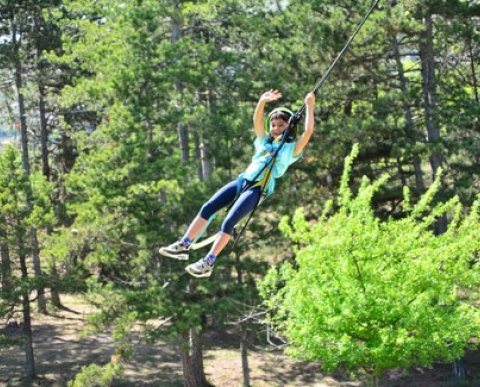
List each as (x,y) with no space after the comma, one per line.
(118,119)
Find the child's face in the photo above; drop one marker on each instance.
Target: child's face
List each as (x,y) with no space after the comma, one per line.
(277,126)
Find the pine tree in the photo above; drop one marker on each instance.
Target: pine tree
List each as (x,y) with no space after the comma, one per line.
(25,203)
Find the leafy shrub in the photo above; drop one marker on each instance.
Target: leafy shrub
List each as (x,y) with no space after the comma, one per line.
(94,375)
(371,294)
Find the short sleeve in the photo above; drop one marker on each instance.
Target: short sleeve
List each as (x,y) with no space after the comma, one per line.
(259,143)
(290,158)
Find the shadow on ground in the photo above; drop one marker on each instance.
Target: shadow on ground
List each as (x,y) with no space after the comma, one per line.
(61,352)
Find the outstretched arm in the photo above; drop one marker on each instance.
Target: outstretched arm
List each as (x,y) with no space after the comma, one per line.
(309,123)
(269,96)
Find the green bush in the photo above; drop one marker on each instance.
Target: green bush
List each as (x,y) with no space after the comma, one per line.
(94,375)
(371,294)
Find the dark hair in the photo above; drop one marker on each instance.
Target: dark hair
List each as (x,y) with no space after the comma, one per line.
(282,115)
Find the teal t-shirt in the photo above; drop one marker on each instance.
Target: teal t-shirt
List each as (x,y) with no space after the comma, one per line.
(263,154)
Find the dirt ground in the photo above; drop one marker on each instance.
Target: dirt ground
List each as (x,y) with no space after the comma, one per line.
(60,352)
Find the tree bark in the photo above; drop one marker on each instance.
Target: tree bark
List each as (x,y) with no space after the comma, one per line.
(193,341)
(427,58)
(41,301)
(429,90)
(41,95)
(196,357)
(205,162)
(198,155)
(244,354)
(6,271)
(5,262)
(208,159)
(409,127)
(474,74)
(21,102)
(55,295)
(181,128)
(42,306)
(27,322)
(189,379)
(183,141)
(43,133)
(238,268)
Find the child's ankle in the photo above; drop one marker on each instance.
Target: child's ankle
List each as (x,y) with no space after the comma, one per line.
(186,242)
(210,259)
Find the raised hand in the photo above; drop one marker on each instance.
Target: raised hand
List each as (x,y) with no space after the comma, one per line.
(271,95)
(310,99)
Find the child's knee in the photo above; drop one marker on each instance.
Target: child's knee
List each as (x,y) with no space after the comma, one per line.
(228,225)
(207,210)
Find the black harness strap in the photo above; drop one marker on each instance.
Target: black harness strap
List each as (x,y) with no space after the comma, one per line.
(292,123)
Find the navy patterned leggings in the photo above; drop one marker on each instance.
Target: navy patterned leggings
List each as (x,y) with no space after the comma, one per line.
(224,197)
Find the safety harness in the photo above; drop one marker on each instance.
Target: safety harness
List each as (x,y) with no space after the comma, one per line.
(242,186)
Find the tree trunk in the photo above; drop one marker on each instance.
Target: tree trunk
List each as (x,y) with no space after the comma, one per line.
(5,262)
(183,141)
(27,324)
(429,90)
(198,155)
(181,128)
(205,163)
(41,301)
(401,173)
(229,157)
(427,58)
(193,341)
(21,103)
(474,74)
(193,367)
(6,269)
(244,354)
(43,134)
(196,357)
(41,95)
(54,294)
(42,306)
(409,128)
(208,160)
(189,379)
(238,267)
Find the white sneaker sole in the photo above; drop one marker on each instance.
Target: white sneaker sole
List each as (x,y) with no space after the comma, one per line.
(188,269)
(180,256)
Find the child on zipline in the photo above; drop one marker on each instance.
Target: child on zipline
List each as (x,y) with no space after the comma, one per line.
(250,191)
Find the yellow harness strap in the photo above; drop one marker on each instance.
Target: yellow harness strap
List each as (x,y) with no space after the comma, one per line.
(263,182)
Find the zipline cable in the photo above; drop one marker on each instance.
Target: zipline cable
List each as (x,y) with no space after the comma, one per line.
(340,54)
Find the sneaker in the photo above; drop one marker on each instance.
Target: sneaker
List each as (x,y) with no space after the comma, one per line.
(175,250)
(199,269)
